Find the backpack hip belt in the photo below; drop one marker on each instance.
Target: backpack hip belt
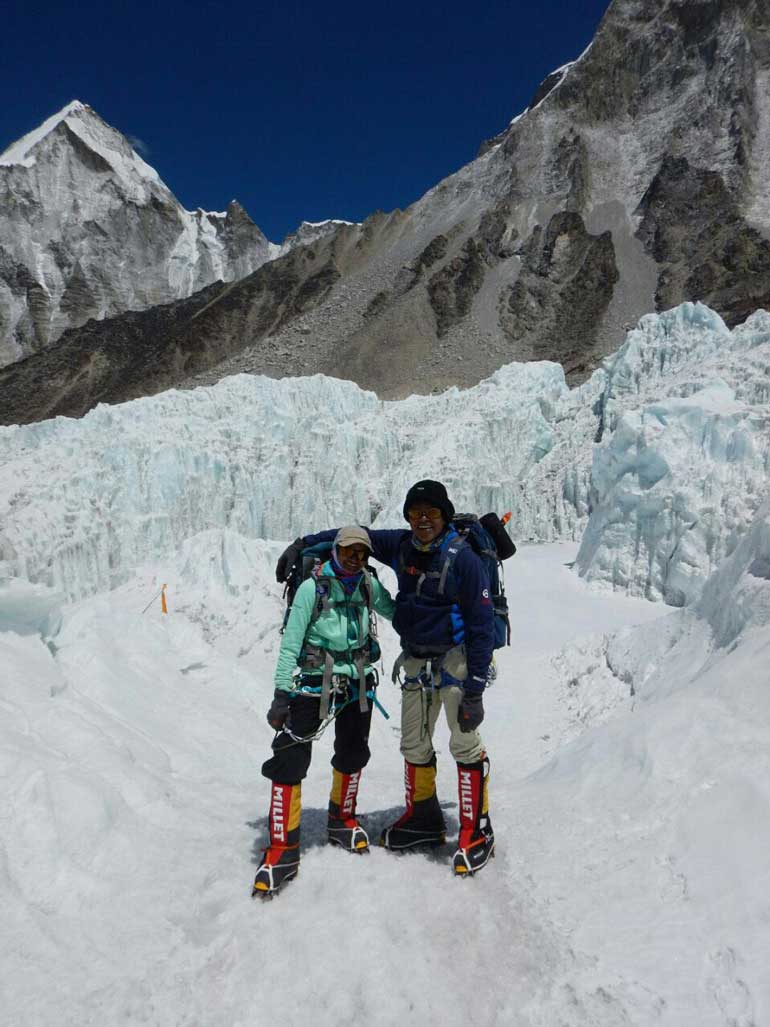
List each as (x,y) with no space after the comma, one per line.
(432,661)
(316,657)
(451,661)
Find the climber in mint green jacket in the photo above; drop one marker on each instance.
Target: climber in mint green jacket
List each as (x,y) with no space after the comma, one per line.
(341,627)
(325,668)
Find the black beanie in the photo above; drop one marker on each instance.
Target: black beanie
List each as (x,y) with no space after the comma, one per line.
(432,492)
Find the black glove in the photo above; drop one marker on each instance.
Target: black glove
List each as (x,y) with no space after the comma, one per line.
(471,712)
(278,713)
(287,559)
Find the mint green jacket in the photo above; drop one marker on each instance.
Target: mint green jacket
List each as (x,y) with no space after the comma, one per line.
(341,628)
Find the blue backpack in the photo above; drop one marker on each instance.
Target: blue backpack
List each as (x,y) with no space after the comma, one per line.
(490,541)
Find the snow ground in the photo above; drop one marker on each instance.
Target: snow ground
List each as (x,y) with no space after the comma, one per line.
(631,878)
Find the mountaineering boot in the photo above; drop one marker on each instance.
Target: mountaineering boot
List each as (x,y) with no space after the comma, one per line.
(477,840)
(280,861)
(342,827)
(422,823)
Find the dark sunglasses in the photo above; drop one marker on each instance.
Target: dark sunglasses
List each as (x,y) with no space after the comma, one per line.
(358,552)
(417,514)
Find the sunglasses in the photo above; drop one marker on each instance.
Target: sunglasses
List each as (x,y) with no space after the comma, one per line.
(418,513)
(358,552)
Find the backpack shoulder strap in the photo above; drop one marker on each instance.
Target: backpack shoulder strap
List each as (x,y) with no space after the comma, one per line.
(450,555)
(367,589)
(322,589)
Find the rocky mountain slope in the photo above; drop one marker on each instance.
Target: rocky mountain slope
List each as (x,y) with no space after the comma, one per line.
(88,230)
(636,179)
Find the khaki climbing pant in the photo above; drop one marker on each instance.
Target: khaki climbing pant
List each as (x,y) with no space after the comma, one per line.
(421,704)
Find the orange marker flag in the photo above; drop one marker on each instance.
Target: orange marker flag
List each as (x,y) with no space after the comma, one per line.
(163,606)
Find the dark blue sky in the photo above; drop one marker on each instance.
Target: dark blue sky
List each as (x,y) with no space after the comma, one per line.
(298,110)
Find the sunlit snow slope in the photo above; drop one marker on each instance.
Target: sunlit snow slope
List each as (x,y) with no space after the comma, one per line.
(629,797)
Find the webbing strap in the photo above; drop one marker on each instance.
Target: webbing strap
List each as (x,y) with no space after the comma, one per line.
(451,555)
(394,677)
(322,589)
(426,701)
(430,667)
(367,589)
(448,558)
(314,656)
(422,577)
(326,685)
(361,669)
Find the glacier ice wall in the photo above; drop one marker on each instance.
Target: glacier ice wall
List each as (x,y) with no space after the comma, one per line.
(83,502)
(662,457)
(684,461)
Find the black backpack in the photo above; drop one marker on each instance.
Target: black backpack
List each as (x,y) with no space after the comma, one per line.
(490,541)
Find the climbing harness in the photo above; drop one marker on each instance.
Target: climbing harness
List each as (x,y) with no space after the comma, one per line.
(340,686)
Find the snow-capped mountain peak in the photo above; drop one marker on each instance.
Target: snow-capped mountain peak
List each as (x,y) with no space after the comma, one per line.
(91,130)
(112,147)
(100,233)
(21,151)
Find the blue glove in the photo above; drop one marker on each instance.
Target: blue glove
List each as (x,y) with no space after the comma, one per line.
(471,712)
